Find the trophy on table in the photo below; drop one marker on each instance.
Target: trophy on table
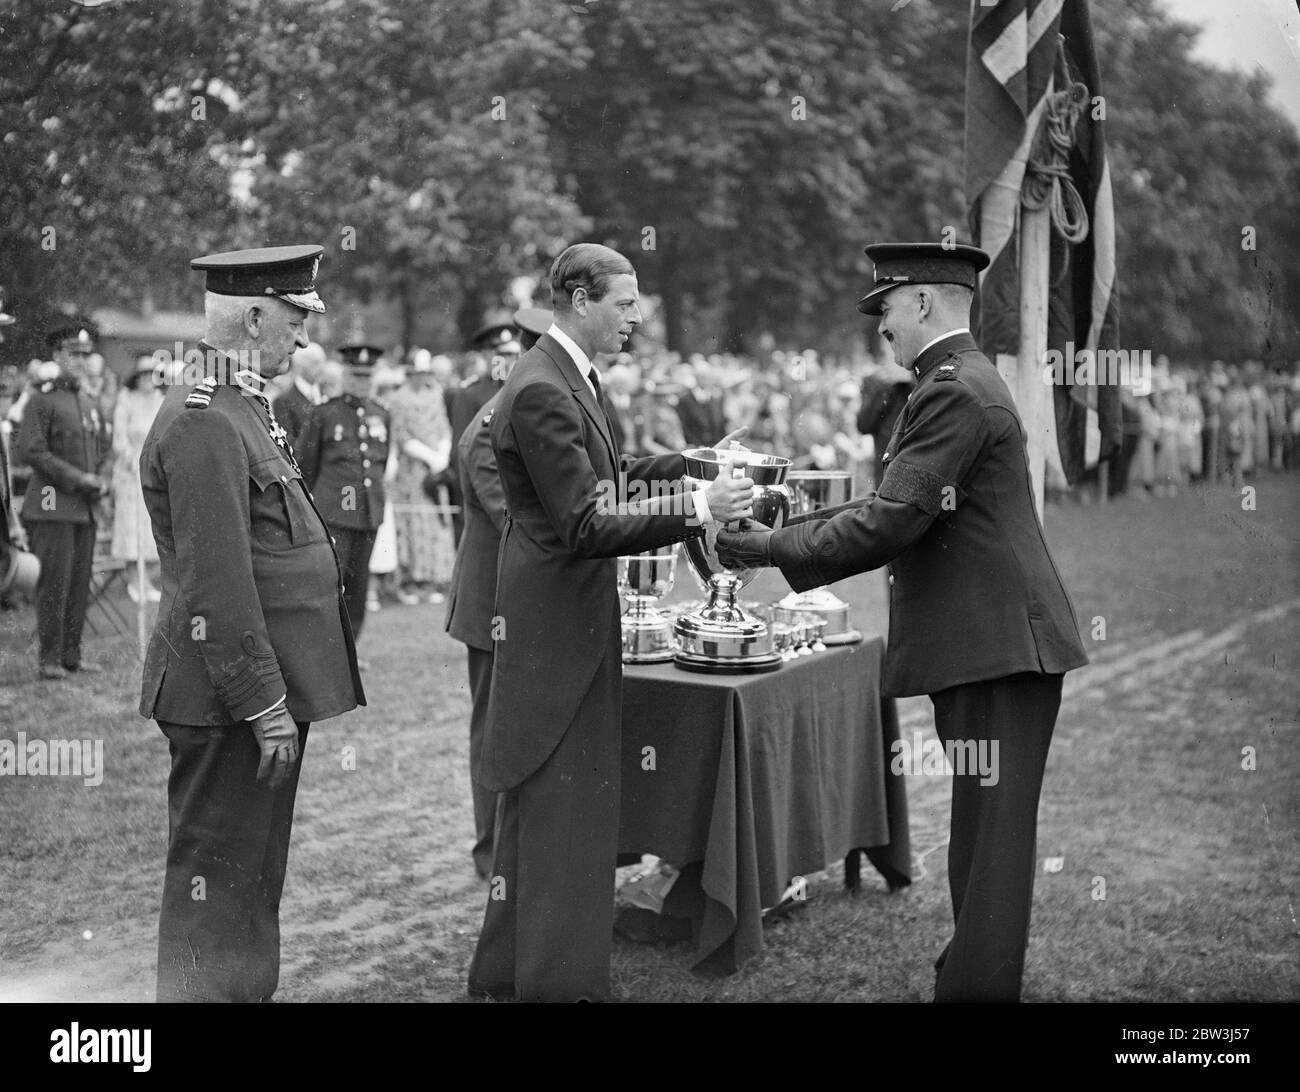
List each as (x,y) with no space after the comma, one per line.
(722,636)
(647,630)
(812,491)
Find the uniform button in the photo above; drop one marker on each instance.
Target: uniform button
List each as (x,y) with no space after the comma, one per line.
(363,447)
(365,462)
(366,483)
(891,580)
(284,479)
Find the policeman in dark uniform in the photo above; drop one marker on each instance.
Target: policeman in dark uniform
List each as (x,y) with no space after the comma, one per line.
(343,452)
(64,439)
(979,617)
(501,341)
(252,642)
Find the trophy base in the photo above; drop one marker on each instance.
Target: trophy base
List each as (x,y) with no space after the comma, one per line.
(726,641)
(750,665)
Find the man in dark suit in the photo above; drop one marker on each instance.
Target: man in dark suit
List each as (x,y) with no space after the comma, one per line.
(979,618)
(64,439)
(295,404)
(500,341)
(551,741)
(343,452)
(471,602)
(252,642)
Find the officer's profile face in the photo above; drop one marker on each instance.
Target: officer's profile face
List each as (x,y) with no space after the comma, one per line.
(278,329)
(902,318)
(609,321)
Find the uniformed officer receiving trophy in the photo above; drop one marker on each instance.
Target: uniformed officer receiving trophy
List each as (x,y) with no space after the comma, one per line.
(343,452)
(979,618)
(64,439)
(252,643)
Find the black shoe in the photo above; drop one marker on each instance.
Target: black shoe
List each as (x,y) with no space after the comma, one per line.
(85,667)
(52,671)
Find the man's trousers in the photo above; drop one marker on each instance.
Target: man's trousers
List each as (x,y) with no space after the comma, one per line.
(992,844)
(549,926)
(485,800)
(66,552)
(227,851)
(354,549)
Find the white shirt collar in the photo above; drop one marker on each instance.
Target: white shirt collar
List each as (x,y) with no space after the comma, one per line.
(579,357)
(935,341)
(310,391)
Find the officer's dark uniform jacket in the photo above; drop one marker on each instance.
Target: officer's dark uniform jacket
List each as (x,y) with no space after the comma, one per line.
(343,451)
(471,597)
(974,593)
(63,438)
(252,605)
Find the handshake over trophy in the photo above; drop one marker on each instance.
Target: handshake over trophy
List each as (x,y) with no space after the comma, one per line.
(721,636)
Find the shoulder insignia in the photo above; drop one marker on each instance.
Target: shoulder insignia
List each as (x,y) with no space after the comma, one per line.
(201,396)
(948,369)
(487,419)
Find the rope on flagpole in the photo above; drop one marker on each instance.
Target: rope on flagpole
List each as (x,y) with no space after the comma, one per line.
(1047,174)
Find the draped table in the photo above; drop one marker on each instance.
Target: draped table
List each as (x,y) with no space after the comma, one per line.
(745,782)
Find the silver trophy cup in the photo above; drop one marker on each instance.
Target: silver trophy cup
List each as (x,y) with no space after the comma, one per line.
(813,491)
(721,636)
(647,630)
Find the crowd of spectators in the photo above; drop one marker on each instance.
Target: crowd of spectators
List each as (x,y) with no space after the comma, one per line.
(1221,424)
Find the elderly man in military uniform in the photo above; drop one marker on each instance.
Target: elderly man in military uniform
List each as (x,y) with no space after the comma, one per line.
(252,642)
(343,452)
(64,439)
(979,618)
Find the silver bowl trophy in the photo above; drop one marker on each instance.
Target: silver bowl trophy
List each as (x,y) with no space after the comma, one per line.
(647,630)
(813,491)
(721,636)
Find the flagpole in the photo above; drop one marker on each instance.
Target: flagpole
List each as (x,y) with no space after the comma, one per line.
(1031,393)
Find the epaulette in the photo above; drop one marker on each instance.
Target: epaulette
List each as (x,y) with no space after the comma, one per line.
(948,369)
(201,396)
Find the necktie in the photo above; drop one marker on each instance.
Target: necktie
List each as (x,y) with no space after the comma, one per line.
(595,382)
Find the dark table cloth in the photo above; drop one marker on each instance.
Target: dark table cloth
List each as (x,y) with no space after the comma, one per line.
(748,781)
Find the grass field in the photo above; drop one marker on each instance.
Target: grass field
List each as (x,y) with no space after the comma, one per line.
(1147,801)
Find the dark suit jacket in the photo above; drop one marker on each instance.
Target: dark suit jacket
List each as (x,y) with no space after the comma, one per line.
(343,452)
(472,595)
(291,410)
(252,599)
(974,592)
(63,437)
(556,571)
